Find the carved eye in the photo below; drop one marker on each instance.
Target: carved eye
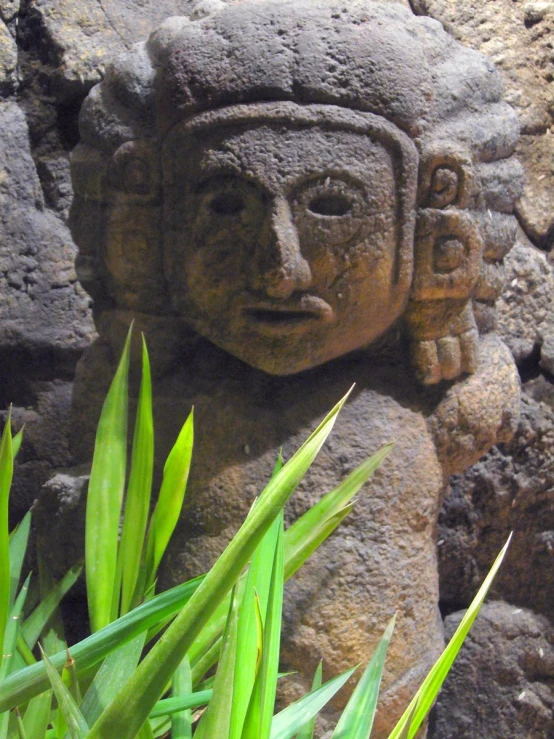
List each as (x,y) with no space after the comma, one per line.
(227,204)
(332,204)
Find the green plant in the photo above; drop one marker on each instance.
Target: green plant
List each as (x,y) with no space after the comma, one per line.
(107,688)
(121,573)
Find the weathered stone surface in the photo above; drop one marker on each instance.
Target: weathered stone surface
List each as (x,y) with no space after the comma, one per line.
(8,59)
(509,490)
(525,315)
(502,681)
(46,416)
(535,207)
(519,38)
(41,304)
(79,39)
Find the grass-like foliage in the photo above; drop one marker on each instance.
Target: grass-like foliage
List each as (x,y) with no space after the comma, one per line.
(109,686)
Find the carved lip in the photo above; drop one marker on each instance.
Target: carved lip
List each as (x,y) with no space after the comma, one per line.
(289,315)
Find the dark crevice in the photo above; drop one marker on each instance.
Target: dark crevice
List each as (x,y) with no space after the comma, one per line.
(20,368)
(546,243)
(529,368)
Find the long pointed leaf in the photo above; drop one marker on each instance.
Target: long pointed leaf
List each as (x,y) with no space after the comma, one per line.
(307,731)
(258,720)
(37,715)
(22,734)
(170,706)
(216,719)
(76,724)
(23,685)
(12,630)
(255,597)
(170,501)
(135,701)
(10,640)
(289,721)
(115,671)
(357,718)
(16,442)
(181,721)
(18,547)
(303,537)
(423,699)
(137,504)
(105,494)
(53,635)
(35,623)
(6,473)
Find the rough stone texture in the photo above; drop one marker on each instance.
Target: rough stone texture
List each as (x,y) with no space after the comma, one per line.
(509,490)
(519,38)
(8,59)
(525,316)
(41,304)
(502,683)
(45,319)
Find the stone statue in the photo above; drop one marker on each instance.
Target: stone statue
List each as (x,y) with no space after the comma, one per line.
(289,197)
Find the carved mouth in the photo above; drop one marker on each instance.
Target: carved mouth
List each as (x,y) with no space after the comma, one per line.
(277,318)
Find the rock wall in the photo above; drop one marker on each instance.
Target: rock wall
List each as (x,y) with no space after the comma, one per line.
(51,53)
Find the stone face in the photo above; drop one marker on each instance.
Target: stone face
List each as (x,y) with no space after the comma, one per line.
(519,38)
(157,171)
(501,682)
(289,197)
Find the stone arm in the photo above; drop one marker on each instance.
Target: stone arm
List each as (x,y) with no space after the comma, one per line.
(480,411)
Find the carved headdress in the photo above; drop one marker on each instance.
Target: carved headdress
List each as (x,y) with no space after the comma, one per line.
(360,66)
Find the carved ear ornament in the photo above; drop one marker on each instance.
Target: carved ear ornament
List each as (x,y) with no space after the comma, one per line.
(134,172)
(448,268)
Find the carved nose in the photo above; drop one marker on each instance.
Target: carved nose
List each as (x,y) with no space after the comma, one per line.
(280,267)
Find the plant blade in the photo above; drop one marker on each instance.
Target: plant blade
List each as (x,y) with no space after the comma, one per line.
(23,685)
(137,504)
(105,494)
(18,547)
(259,718)
(6,473)
(423,699)
(307,732)
(289,721)
(170,501)
(114,672)
(36,622)
(134,702)
(37,715)
(254,599)
(76,725)
(181,721)
(216,719)
(357,718)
